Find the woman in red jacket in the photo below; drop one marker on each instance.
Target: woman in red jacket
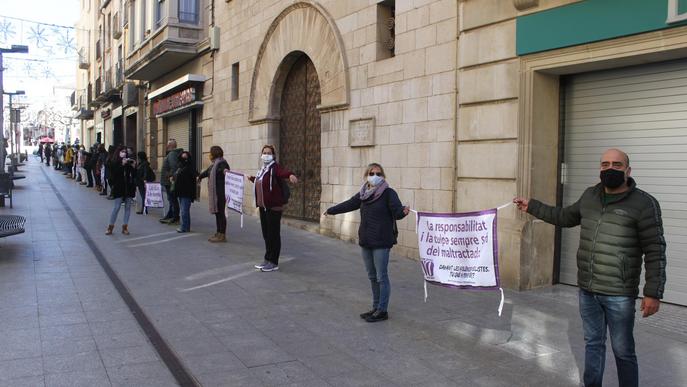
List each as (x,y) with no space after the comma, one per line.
(269,198)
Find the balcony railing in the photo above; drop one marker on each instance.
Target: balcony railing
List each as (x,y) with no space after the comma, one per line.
(118,74)
(107,81)
(116,26)
(98,87)
(129,94)
(84,110)
(179,35)
(83,59)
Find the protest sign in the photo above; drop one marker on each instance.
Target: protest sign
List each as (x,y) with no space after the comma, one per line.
(459,250)
(153,197)
(233,190)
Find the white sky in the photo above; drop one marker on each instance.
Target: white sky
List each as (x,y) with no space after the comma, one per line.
(41,89)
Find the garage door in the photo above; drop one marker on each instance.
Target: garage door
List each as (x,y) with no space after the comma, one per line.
(177,128)
(643,111)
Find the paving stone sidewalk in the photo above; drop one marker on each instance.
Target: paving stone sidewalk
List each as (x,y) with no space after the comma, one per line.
(233,326)
(61,321)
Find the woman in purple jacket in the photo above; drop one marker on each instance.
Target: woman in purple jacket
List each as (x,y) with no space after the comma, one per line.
(379,207)
(269,198)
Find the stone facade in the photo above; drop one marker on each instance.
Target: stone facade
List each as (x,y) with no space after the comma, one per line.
(459,121)
(408,101)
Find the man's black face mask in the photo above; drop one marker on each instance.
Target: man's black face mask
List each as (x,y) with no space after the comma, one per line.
(612,178)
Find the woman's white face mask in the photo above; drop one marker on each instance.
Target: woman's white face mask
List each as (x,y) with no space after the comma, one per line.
(267,158)
(375,180)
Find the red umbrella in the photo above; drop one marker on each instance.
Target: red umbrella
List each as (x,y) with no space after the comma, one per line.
(47,139)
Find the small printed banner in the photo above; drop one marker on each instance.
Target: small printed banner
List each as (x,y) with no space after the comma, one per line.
(459,250)
(153,197)
(233,189)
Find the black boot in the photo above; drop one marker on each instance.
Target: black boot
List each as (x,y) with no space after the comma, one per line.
(365,315)
(378,315)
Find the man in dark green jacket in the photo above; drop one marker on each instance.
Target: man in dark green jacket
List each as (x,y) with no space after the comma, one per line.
(621,226)
(169,166)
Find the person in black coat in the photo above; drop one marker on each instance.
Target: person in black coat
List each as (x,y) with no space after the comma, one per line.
(48,154)
(144,174)
(216,197)
(88,169)
(379,207)
(123,184)
(184,183)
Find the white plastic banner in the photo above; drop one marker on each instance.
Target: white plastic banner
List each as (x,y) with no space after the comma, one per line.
(233,189)
(459,250)
(153,197)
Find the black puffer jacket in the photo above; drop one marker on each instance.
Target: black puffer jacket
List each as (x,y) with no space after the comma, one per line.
(122,179)
(377,218)
(185,181)
(144,174)
(613,239)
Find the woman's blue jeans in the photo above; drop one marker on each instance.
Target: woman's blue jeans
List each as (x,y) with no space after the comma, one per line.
(376,264)
(185,207)
(127,209)
(617,315)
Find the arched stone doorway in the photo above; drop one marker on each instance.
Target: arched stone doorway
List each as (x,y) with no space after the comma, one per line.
(299,138)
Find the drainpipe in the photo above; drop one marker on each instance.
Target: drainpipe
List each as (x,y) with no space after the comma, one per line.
(459,24)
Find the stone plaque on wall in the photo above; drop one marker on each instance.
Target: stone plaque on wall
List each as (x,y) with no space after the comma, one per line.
(361,132)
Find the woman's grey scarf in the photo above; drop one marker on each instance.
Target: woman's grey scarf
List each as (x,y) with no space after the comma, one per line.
(370,193)
(212,185)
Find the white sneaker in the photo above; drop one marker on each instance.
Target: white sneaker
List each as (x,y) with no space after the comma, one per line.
(269,267)
(261,265)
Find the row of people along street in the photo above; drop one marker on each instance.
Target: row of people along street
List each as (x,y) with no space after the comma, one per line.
(607,292)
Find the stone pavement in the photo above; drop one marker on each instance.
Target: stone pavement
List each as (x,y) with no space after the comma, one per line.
(64,324)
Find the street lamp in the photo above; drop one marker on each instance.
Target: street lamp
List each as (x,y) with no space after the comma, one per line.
(19,49)
(14,120)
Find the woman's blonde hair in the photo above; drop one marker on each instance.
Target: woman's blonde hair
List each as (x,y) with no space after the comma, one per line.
(372,165)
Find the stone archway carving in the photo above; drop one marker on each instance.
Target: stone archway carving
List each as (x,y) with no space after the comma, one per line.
(302,27)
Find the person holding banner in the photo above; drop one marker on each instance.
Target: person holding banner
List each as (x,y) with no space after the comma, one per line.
(379,207)
(216,198)
(122,181)
(620,226)
(184,187)
(270,199)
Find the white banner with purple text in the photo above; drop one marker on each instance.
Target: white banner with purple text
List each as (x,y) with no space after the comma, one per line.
(153,197)
(233,190)
(459,250)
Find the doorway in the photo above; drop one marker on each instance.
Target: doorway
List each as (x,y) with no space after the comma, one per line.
(299,138)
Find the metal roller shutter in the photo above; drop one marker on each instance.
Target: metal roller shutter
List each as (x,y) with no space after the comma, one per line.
(177,128)
(643,111)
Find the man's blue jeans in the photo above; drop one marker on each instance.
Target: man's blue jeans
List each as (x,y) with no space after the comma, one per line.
(173,201)
(376,264)
(185,214)
(617,315)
